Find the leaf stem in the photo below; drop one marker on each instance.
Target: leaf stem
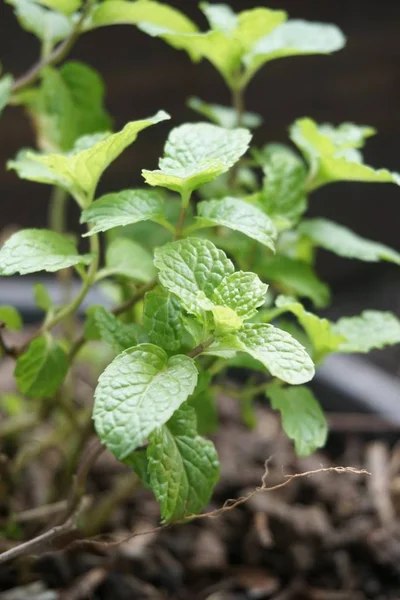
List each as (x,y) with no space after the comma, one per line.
(56,56)
(185,196)
(200,348)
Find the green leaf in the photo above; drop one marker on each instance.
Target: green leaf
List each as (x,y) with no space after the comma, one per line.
(320,331)
(295,277)
(226,320)
(11,317)
(372,329)
(344,242)
(278,351)
(284,196)
(5,91)
(242,292)
(183,467)
(132,13)
(302,418)
(65,6)
(238,215)
(33,250)
(49,26)
(224,116)
(191,269)
(138,392)
(68,104)
(204,403)
(220,17)
(162,319)
(40,371)
(80,170)
(42,297)
(196,153)
(123,208)
(333,155)
(127,258)
(110,329)
(293,38)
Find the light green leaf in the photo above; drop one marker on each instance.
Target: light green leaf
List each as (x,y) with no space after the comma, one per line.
(344,242)
(226,320)
(204,403)
(220,16)
(138,392)
(183,467)
(68,104)
(196,153)
(132,13)
(238,215)
(295,278)
(242,292)
(162,319)
(49,26)
(278,351)
(256,23)
(191,269)
(40,370)
(333,155)
(127,258)
(33,250)
(5,91)
(110,329)
(284,196)
(123,208)
(80,170)
(42,297)
(65,6)
(11,317)
(224,116)
(293,38)
(320,331)
(372,329)
(302,418)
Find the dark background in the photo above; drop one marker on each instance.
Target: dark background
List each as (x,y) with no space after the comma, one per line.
(360,83)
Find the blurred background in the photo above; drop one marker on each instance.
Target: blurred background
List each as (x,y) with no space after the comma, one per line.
(360,83)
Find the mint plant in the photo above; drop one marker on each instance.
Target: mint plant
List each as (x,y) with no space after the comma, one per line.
(206,262)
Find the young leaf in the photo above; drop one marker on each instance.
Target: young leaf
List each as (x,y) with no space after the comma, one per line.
(372,329)
(80,170)
(148,11)
(281,354)
(221,17)
(226,320)
(110,329)
(183,467)
(191,269)
(40,371)
(293,38)
(196,153)
(302,418)
(296,278)
(284,196)
(49,26)
(33,250)
(242,292)
(238,215)
(162,319)
(42,297)
(333,155)
(123,208)
(224,116)
(65,6)
(68,104)
(5,91)
(127,258)
(138,392)
(344,242)
(11,317)
(320,331)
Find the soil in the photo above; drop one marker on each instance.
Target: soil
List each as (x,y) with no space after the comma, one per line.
(327,536)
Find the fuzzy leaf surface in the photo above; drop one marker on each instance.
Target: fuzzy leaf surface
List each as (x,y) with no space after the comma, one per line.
(110,329)
(138,392)
(127,258)
(303,420)
(162,319)
(40,370)
(196,153)
(33,250)
(238,215)
(183,466)
(224,116)
(242,292)
(372,329)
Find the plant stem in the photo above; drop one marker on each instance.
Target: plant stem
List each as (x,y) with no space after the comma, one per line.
(185,196)
(55,57)
(200,348)
(238,104)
